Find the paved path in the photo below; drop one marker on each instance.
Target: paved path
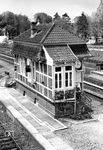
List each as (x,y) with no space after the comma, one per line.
(40,124)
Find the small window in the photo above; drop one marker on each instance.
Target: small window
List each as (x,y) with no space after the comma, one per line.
(66,79)
(70,84)
(41,67)
(45,68)
(56,81)
(101,66)
(37,66)
(57,69)
(49,70)
(67,68)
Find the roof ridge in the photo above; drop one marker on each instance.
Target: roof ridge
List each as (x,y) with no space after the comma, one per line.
(43,39)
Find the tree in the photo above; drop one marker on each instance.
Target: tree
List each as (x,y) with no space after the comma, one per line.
(56,16)
(95,30)
(82,26)
(42,18)
(66,17)
(22,23)
(14,24)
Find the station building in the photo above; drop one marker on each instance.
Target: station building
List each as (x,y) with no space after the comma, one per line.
(48,66)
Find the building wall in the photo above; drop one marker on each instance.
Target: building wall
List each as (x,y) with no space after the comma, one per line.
(42,102)
(40,84)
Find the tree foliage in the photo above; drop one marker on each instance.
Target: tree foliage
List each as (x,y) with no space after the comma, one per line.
(64,21)
(56,16)
(13,23)
(82,26)
(42,18)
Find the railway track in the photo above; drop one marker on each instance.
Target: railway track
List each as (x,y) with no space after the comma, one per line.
(7,58)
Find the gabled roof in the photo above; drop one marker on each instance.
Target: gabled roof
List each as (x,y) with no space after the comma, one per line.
(50,34)
(59,35)
(26,36)
(61,45)
(61,54)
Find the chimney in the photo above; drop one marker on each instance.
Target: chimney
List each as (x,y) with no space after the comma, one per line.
(33,29)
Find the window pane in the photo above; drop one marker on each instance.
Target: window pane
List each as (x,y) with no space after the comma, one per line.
(56,77)
(45,68)
(50,83)
(40,89)
(67,68)
(50,94)
(57,69)
(37,66)
(66,76)
(49,70)
(70,79)
(45,91)
(66,79)
(56,81)
(60,80)
(45,80)
(37,77)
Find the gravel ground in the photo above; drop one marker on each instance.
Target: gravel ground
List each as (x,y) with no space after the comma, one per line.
(84,136)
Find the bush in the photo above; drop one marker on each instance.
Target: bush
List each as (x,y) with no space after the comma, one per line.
(69,94)
(59,95)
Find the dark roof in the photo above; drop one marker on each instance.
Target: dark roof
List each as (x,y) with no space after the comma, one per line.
(80,50)
(26,51)
(97,56)
(55,39)
(50,34)
(61,54)
(26,36)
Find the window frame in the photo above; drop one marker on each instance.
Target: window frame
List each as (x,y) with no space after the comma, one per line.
(69,79)
(58,81)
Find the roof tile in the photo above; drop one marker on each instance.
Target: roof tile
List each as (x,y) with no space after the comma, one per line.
(60,54)
(60,35)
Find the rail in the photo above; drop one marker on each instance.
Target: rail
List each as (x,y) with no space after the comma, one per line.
(7,58)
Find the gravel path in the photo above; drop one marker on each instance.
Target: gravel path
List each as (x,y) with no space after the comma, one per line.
(85,136)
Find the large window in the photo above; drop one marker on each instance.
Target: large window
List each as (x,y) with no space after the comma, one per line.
(58,77)
(44,79)
(68,76)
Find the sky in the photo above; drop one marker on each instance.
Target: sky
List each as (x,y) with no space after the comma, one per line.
(30,7)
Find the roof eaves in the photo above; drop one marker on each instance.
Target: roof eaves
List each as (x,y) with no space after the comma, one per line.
(27,43)
(72,52)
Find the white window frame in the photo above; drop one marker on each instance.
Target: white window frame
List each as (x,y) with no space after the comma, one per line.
(40,84)
(69,81)
(58,73)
